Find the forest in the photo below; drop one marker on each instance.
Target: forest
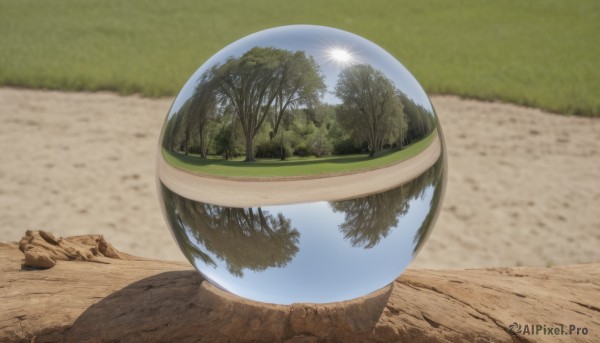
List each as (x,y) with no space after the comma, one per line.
(268,104)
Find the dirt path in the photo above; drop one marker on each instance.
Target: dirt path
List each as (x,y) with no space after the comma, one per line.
(523,187)
(262,193)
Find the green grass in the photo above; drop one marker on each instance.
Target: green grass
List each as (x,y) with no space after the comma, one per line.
(541,53)
(295,166)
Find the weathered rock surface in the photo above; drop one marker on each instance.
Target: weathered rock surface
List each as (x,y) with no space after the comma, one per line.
(43,250)
(133,299)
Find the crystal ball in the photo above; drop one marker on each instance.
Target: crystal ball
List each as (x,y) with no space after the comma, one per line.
(301,164)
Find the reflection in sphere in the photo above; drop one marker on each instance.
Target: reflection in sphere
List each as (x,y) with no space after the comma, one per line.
(301,164)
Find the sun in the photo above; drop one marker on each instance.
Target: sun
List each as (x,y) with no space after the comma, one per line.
(341,56)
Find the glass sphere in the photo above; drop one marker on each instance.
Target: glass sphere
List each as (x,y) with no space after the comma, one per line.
(301,164)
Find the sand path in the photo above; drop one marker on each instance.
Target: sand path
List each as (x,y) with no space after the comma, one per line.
(523,185)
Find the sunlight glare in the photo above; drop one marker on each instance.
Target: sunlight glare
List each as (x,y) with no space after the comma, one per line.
(340,55)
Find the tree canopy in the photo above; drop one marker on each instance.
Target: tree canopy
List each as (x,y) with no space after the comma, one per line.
(268,103)
(261,77)
(371,109)
(245,238)
(370,219)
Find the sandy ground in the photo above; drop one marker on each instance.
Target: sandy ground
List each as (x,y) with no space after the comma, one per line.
(523,188)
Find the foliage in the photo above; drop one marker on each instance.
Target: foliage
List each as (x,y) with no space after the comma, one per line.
(280,147)
(188,247)
(436,174)
(244,238)
(267,102)
(371,109)
(420,122)
(303,85)
(265,77)
(295,166)
(229,138)
(319,143)
(369,219)
(202,108)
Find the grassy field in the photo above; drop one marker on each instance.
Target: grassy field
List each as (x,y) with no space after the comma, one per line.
(541,53)
(295,166)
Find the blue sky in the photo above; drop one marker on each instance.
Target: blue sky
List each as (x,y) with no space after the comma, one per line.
(327,268)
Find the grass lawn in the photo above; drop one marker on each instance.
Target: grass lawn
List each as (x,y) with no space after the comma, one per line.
(295,166)
(541,53)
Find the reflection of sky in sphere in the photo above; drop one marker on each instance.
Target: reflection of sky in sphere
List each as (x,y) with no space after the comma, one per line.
(326,259)
(332,49)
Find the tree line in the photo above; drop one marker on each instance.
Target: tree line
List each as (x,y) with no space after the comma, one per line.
(268,103)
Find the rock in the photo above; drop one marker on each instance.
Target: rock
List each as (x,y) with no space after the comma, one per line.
(48,237)
(36,257)
(134,299)
(43,250)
